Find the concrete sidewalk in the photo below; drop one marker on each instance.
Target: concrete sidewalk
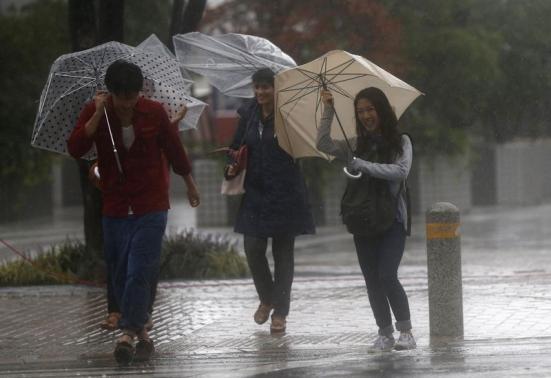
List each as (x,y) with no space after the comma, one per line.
(205,328)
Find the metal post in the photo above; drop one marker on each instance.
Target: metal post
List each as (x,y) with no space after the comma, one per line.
(444,271)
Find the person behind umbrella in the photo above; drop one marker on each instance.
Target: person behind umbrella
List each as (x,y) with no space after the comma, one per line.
(135,193)
(274,204)
(379,256)
(111,322)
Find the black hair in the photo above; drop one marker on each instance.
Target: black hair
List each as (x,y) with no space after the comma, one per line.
(264,76)
(123,77)
(392,141)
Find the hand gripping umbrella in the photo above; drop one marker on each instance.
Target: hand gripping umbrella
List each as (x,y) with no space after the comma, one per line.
(229,60)
(74,79)
(298,102)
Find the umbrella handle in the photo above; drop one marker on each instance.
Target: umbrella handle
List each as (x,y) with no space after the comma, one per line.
(354,176)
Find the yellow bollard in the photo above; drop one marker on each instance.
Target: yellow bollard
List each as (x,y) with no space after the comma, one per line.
(444,271)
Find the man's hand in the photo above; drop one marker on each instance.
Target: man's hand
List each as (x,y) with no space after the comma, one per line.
(193,197)
(100,100)
(192,192)
(180,115)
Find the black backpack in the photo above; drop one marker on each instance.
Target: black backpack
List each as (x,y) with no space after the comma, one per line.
(368,208)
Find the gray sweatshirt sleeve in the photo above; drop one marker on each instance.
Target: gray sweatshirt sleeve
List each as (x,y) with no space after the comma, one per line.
(396,171)
(324,143)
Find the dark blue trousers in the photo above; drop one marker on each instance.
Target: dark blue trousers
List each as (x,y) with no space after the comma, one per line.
(379,259)
(276,289)
(132,247)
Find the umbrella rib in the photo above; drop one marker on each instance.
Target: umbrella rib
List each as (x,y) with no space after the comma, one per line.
(41,107)
(341,91)
(296,97)
(299,86)
(231,59)
(62,96)
(83,61)
(335,110)
(74,76)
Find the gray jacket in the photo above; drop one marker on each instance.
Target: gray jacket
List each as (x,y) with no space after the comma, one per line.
(396,173)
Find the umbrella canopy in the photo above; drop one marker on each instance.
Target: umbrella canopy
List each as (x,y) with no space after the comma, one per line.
(74,79)
(298,103)
(229,60)
(155,45)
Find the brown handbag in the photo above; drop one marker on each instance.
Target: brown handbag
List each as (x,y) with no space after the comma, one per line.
(94,176)
(239,161)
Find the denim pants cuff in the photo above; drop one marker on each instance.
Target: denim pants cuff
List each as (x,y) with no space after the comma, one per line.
(403,325)
(386,331)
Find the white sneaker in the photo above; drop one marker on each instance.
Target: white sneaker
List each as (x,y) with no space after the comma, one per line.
(405,342)
(382,344)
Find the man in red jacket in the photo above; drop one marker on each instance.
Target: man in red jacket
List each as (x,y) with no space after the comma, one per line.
(135,187)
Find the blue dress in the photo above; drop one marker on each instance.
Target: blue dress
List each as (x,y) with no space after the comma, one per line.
(275,202)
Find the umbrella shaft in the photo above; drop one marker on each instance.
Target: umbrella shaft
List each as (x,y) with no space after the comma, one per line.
(342,129)
(119,166)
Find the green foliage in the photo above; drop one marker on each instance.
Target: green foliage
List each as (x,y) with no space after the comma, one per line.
(483,66)
(185,255)
(191,255)
(58,265)
(31,39)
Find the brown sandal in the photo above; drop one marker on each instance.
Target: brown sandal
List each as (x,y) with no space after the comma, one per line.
(124,350)
(111,322)
(144,350)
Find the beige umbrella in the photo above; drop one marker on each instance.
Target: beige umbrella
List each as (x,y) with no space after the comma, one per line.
(298,103)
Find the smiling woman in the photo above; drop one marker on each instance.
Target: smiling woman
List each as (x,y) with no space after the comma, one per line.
(274,205)
(374,207)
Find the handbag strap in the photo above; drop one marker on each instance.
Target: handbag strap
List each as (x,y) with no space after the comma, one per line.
(247,126)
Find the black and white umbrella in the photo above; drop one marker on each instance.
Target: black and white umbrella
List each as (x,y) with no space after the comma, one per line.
(74,79)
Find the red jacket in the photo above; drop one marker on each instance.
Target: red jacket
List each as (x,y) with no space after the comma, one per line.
(144,188)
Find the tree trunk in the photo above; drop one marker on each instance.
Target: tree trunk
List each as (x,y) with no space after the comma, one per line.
(111,21)
(85,33)
(185,19)
(82,27)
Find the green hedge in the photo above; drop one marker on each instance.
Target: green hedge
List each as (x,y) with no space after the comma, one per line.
(185,255)
(189,254)
(58,265)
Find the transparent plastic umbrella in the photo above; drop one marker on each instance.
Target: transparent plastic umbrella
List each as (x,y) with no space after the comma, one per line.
(229,60)
(74,79)
(155,45)
(299,107)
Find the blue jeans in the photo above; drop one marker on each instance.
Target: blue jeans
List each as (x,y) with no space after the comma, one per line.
(132,247)
(379,259)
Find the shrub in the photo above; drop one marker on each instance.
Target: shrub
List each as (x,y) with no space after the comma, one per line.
(189,254)
(185,255)
(58,265)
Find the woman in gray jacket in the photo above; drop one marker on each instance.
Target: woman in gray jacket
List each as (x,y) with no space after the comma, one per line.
(379,255)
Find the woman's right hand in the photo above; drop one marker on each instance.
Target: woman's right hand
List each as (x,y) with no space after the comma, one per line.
(100,99)
(232,170)
(326,97)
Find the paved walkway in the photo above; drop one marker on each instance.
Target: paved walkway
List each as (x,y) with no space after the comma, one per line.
(205,328)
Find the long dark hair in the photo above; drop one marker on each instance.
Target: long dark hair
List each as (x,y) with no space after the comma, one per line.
(391,139)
